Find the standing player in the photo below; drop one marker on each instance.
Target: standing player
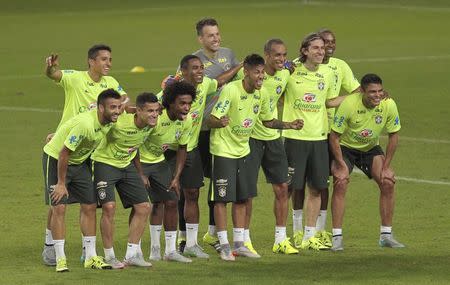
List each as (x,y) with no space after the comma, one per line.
(232,120)
(354,140)
(68,176)
(266,148)
(343,79)
(172,131)
(216,60)
(307,90)
(81,89)
(116,164)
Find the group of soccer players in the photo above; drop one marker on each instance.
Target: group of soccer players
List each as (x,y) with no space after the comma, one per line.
(216,118)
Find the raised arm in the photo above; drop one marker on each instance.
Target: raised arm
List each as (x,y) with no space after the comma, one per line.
(228,75)
(52,70)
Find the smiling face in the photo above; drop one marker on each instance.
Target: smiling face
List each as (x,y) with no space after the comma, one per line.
(315,52)
(148,113)
(372,94)
(210,38)
(181,106)
(194,72)
(276,57)
(102,63)
(330,44)
(110,110)
(254,76)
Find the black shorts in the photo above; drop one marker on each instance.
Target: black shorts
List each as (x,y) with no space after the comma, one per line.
(229,180)
(192,175)
(160,176)
(78,182)
(126,180)
(269,155)
(362,160)
(308,162)
(203,147)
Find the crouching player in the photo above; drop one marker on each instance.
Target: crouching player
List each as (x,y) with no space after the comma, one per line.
(68,176)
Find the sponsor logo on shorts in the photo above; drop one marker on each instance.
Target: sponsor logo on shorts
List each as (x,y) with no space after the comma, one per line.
(51,188)
(101,189)
(309,97)
(378,119)
(221,185)
(291,172)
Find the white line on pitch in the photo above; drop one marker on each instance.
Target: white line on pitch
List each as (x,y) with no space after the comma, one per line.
(410,179)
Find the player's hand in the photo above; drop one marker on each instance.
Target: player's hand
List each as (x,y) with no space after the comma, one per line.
(296,124)
(224,121)
(175,186)
(49,137)
(340,173)
(145,181)
(59,192)
(289,65)
(52,60)
(170,80)
(386,175)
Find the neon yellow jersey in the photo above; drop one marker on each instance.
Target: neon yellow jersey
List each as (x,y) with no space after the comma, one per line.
(121,143)
(196,113)
(361,127)
(272,89)
(305,96)
(167,134)
(81,135)
(81,92)
(242,109)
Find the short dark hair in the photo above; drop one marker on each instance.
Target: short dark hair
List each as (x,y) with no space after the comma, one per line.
(268,45)
(253,60)
(93,51)
(185,60)
(323,31)
(306,42)
(178,88)
(205,22)
(370,78)
(144,98)
(106,94)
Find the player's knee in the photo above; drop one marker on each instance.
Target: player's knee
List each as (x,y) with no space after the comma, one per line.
(88,209)
(59,210)
(109,209)
(142,208)
(281,191)
(171,205)
(191,195)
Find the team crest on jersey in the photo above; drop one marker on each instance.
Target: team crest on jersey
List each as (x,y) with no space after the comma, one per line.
(366,133)
(256,109)
(378,119)
(279,89)
(247,123)
(321,85)
(221,185)
(92,106)
(309,97)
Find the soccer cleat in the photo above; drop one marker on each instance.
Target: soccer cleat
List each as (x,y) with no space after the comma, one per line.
(195,251)
(97,262)
(245,252)
(115,263)
(389,241)
(284,247)
(298,238)
(212,241)
(181,245)
(137,260)
(155,253)
(49,255)
(338,243)
(61,265)
(176,256)
(225,253)
(250,247)
(313,243)
(325,238)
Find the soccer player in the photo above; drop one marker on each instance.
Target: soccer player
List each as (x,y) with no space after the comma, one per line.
(343,80)
(81,89)
(172,131)
(116,164)
(216,60)
(354,140)
(233,119)
(306,94)
(266,148)
(68,176)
